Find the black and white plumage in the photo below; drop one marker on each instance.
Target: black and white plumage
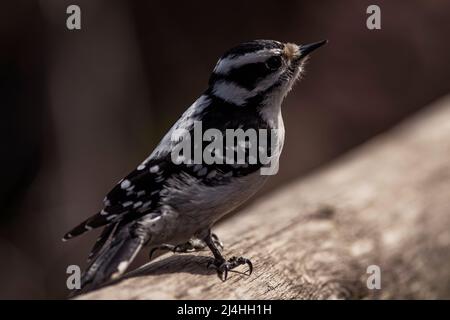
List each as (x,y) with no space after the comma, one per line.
(162,203)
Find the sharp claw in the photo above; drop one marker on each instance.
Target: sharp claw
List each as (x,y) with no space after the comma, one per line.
(250,267)
(223,268)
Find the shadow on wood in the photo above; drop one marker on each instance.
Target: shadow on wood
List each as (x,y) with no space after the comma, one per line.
(385,204)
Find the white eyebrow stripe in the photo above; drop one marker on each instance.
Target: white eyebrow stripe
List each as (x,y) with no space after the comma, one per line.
(225,65)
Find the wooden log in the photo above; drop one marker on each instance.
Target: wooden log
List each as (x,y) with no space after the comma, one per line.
(386,204)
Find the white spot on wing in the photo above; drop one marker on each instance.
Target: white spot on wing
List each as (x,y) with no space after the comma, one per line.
(140,193)
(147,204)
(127,204)
(154,169)
(125,184)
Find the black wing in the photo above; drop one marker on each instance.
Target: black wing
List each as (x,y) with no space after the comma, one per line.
(139,192)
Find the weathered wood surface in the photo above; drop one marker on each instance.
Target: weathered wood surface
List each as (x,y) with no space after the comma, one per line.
(387,203)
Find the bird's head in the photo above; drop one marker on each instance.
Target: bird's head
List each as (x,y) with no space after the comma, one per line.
(260,71)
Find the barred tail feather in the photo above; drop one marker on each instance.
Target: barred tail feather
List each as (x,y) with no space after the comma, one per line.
(103,218)
(104,237)
(87,225)
(112,260)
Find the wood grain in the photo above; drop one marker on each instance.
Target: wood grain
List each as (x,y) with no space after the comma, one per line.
(387,203)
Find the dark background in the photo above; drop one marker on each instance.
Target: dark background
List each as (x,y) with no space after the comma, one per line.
(80,109)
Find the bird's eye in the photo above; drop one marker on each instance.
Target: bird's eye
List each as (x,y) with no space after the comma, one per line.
(273,63)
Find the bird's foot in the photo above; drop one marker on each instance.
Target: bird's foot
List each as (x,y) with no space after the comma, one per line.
(223,267)
(192,245)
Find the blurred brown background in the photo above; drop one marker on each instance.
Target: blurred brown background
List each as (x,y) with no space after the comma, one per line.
(80,109)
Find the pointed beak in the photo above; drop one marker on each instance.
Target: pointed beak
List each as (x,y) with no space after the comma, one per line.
(306,49)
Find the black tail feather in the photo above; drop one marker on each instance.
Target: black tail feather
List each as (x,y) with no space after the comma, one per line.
(105,217)
(112,260)
(106,234)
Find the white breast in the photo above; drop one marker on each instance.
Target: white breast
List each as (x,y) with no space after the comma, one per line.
(272,114)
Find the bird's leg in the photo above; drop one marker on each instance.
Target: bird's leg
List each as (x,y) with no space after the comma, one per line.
(220,264)
(216,241)
(192,245)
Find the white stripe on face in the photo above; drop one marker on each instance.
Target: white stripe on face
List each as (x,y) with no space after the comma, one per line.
(233,93)
(223,66)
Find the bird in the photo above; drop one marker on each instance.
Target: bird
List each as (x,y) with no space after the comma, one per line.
(165,204)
